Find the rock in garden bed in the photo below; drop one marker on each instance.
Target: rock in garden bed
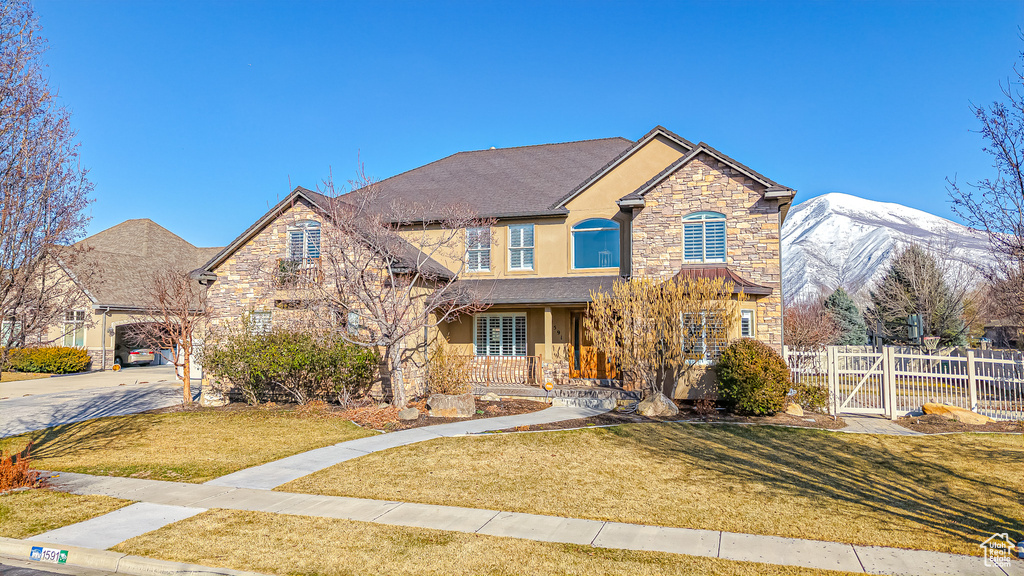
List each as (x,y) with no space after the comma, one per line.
(938,424)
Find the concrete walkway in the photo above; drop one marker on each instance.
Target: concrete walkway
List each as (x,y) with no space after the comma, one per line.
(875,425)
(274,474)
(181,499)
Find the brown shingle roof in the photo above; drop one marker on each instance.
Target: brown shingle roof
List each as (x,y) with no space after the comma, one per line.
(504,182)
(574,290)
(722,271)
(116,264)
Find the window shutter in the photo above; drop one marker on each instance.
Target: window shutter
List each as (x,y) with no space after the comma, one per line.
(693,241)
(481,336)
(715,240)
(295,241)
(520,336)
(313,243)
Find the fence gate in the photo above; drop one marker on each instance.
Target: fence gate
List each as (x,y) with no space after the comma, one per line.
(857,382)
(895,382)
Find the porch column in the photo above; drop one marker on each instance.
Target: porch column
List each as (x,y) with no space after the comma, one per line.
(547,334)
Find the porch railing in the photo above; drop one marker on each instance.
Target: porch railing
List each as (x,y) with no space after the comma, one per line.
(298,272)
(497,370)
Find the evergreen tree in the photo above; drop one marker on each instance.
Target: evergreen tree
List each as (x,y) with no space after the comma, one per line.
(915,284)
(852,329)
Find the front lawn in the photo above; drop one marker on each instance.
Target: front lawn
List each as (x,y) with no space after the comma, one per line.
(30,512)
(282,544)
(944,493)
(16,376)
(186,446)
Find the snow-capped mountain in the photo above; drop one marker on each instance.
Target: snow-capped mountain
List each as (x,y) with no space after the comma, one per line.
(841,240)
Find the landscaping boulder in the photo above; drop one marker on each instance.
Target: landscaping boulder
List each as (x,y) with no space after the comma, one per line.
(490,397)
(408,414)
(211,398)
(794,409)
(445,406)
(957,413)
(657,406)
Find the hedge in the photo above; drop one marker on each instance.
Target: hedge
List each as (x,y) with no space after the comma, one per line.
(49,360)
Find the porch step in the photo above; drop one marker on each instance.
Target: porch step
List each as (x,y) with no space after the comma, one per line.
(596,403)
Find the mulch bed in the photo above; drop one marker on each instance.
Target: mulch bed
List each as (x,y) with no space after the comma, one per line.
(688,414)
(386,418)
(938,424)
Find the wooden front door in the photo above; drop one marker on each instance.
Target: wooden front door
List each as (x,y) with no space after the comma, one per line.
(586,361)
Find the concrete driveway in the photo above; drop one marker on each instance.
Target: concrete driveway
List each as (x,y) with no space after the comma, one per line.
(36,404)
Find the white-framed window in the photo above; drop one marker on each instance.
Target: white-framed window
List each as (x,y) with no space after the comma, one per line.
(703,337)
(520,247)
(304,240)
(704,237)
(74,328)
(747,323)
(260,322)
(478,249)
(595,244)
(352,322)
(500,335)
(10,332)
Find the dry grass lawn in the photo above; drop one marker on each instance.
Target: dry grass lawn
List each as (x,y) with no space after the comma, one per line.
(187,446)
(31,512)
(280,544)
(944,493)
(16,376)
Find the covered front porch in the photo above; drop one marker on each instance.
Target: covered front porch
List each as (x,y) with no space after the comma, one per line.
(528,346)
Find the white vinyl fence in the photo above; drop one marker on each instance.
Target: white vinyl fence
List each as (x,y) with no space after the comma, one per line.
(895,381)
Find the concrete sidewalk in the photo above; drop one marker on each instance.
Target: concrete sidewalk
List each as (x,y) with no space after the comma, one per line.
(875,425)
(812,554)
(282,471)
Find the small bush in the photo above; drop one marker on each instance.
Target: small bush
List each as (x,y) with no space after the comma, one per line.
(49,360)
(295,363)
(447,373)
(15,471)
(811,396)
(752,377)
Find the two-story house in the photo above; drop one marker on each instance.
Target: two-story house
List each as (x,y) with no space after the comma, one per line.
(568,219)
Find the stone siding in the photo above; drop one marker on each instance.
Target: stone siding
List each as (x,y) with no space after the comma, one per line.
(752,232)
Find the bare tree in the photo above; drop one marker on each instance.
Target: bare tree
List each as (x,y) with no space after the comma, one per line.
(43,190)
(809,328)
(177,314)
(390,274)
(922,281)
(996,204)
(657,330)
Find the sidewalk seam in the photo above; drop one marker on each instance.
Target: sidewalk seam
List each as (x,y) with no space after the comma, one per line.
(859,561)
(477,531)
(599,530)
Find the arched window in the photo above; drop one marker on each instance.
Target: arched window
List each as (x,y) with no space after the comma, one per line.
(704,237)
(595,244)
(304,240)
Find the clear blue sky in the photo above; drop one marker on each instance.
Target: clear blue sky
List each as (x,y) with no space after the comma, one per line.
(201,114)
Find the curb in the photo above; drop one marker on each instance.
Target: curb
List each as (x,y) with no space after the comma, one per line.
(110,561)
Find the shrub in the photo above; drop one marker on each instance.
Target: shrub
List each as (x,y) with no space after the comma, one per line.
(811,396)
(447,373)
(752,377)
(294,363)
(50,360)
(15,471)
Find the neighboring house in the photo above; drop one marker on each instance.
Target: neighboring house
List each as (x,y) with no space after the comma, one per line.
(569,218)
(112,269)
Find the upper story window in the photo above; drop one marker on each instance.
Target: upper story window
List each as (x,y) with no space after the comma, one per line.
(478,249)
(595,244)
(304,240)
(704,237)
(520,247)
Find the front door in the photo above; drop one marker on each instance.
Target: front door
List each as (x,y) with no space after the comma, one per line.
(587,361)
